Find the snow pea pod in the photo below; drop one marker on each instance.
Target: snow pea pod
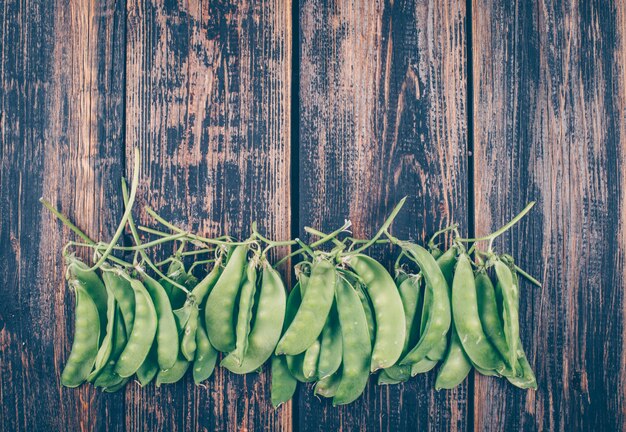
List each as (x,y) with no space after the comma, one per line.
(439,318)
(283,384)
(330,345)
(327,387)
(313,311)
(219,313)
(104,352)
(309,363)
(508,291)
(356,344)
(108,377)
(527,379)
(191,320)
(149,368)
(456,365)
(268,323)
(167,332)
(246,303)
(388,310)
(467,321)
(143,333)
(173,374)
(79,273)
(124,294)
(86,336)
(206,356)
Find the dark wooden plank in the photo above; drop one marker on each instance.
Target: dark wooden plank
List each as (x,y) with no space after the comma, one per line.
(208,102)
(549,101)
(383,95)
(61,115)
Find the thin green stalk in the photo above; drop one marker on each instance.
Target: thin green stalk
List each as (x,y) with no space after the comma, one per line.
(527,276)
(431,242)
(143,254)
(382,229)
(127,213)
(503,229)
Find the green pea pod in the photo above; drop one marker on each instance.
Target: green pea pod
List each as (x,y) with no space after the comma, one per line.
(356,344)
(117,387)
(510,315)
(456,365)
(423,366)
(78,273)
(246,303)
(388,310)
(104,352)
(409,289)
(385,378)
(467,320)
(123,293)
(206,356)
(191,319)
(368,310)
(294,363)
(219,313)
(439,317)
(490,319)
(283,384)
(167,332)
(327,387)
(309,363)
(173,374)
(313,311)
(149,368)
(330,345)
(527,380)
(439,350)
(268,323)
(176,272)
(108,377)
(143,333)
(86,338)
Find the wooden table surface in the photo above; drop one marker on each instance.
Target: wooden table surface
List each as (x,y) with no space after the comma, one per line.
(309,113)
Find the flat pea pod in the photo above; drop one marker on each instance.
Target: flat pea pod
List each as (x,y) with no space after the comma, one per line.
(309,363)
(246,303)
(508,290)
(423,366)
(149,368)
(388,310)
(410,290)
(356,344)
(331,348)
(294,363)
(490,317)
(456,365)
(439,350)
(467,320)
(104,352)
(327,387)
(191,316)
(123,293)
(268,323)
(283,384)
(206,356)
(117,386)
(108,377)
(368,310)
(219,313)
(527,380)
(439,318)
(143,333)
(86,338)
(78,272)
(313,311)
(173,374)
(176,272)
(167,331)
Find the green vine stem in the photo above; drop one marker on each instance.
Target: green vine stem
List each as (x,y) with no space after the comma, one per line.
(503,229)
(137,240)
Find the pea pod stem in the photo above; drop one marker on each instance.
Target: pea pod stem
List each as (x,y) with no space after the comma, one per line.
(144,255)
(125,216)
(503,229)
(431,242)
(383,229)
(270,243)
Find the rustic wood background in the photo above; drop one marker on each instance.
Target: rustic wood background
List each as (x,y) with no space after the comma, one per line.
(306,113)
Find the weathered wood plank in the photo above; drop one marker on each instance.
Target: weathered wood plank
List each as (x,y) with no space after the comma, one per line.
(549,125)
(61,115)
(208,102)
(383,98)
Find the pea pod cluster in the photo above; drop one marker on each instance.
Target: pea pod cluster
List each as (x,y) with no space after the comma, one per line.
(346,317)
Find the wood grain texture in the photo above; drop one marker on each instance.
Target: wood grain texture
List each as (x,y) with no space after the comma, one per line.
(208,103)
(61,115)
(382,103)
(550,125)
